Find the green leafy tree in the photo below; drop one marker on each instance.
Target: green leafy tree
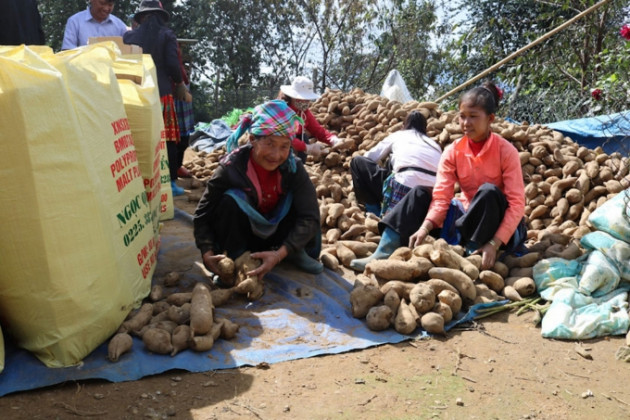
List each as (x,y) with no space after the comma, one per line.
(554,79)
(239,54)
(231,49)
(358,43)
(230,45)
(411,35)
(339,29)
(286,48)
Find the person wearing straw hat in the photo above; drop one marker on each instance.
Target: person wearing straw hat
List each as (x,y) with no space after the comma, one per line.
(260,198)
(299,95)
(157,39)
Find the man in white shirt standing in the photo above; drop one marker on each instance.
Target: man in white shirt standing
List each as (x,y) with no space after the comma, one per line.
(97,20)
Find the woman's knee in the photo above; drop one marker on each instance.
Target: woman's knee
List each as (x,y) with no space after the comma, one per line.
(359,166)
(228,209)
(420,194)
(489,188)
(491,193)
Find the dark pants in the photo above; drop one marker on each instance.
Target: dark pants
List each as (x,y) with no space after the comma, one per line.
(407,216)
(233,232)
(176,155)
(484,215)
(368,179)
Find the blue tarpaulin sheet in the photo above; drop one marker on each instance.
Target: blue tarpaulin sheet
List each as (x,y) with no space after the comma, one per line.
(300,315)
(296,318)
(611,132)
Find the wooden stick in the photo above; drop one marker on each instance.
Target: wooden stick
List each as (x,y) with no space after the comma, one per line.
(525,48)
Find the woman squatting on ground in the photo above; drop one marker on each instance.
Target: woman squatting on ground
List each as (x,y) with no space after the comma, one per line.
(260,198)
(401,190)
(489,213)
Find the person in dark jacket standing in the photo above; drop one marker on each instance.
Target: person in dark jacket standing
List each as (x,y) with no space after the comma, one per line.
(260,198)
(20,23)
(157,39)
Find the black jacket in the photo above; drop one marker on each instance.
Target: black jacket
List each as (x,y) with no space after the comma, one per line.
(20,23)
(232,174)
(163,50)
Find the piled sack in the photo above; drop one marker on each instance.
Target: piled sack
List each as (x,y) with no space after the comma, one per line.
(80,232)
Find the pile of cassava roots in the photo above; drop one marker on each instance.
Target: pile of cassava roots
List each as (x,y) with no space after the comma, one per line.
(428,285)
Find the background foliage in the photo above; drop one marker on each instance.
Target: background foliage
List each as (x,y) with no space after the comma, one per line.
(246,49)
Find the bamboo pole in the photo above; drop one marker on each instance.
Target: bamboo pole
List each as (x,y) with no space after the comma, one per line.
(525,48)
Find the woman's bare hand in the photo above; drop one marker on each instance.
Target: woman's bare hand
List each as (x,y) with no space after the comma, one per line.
(488,256)
(269,260)
(418,237)
(211,261)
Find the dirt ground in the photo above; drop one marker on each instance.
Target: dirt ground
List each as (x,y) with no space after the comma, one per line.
(499,368)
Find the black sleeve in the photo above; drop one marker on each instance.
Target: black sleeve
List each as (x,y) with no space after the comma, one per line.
(306,208)
(202,220)
(171,60)
(129,37)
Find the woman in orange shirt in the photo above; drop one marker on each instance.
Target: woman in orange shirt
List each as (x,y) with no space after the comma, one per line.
(489,213)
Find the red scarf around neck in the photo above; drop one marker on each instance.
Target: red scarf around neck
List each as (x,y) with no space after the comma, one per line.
(268,188)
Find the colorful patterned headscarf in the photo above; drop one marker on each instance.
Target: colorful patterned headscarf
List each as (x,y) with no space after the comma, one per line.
(273,118)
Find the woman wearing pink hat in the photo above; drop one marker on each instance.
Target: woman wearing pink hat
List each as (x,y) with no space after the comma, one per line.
(299,95)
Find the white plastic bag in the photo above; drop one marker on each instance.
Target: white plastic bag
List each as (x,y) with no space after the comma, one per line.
(395,88)
(573,316)
(553,274)
(598,276)
(614,216)
(617,252)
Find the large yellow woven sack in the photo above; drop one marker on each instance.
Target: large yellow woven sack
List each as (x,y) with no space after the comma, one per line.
(40,50)
(142,104)
(138,83)
(61,289)
(167,208)
(98,103)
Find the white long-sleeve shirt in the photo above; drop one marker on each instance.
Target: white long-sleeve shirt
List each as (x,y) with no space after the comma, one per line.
(409,148)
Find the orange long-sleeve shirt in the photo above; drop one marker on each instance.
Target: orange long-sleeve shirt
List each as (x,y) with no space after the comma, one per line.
(497,163)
